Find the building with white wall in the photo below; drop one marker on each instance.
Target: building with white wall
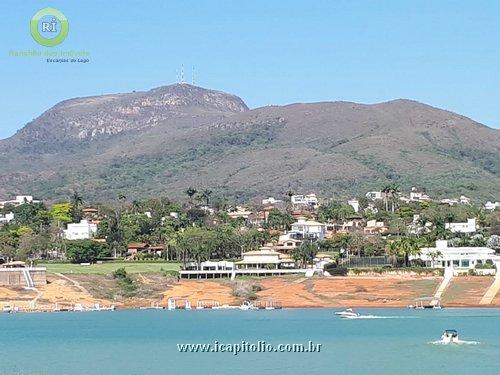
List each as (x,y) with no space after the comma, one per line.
(354,203)
(80,231)
(490,206)
(270,200)
(442,256)
(308,200)
(307,229)
(7,218)
(375,195)
(18,200)
(467,227)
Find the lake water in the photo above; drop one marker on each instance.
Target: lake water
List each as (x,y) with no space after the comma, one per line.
(393,341)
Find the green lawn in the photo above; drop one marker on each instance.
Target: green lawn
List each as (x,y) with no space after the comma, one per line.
(109,267)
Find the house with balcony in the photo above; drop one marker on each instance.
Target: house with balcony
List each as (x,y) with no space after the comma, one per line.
(308,229)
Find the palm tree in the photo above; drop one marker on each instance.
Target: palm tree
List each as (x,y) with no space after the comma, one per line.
(205,194)
(136,206)
(394,192)
(386,190)
(76,200)
(190,192)
(306,252)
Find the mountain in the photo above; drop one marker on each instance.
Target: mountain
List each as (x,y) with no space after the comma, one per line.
(166,139)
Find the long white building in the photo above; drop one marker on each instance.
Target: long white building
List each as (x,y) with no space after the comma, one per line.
(442,256)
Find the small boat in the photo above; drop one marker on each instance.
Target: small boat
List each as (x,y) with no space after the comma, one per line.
(7,309)
(450,336)
(154,306)
(246,305)
(347,313)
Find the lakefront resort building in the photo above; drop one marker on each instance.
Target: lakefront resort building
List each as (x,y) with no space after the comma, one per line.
(465,258)
(262,262)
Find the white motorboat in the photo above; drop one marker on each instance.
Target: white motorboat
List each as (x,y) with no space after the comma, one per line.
(450,336)
(246,305)
(347,313)
(7,309)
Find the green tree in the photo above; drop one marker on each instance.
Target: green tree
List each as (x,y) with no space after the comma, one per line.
(305,253)
(190,192)
(61,213)
(86,251)
(76,207)
(279,220)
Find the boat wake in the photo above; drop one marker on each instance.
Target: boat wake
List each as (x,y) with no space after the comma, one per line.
(459,342)
(378,317)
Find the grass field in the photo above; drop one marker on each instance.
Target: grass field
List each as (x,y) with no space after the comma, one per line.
(106,268)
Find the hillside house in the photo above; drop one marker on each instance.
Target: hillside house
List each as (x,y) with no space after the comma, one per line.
(467,227)
(375,195)
(375,227)
(83,230)
(308,200)
(308,229)
(7,218)
(490,206)
(354,203)
(18,200)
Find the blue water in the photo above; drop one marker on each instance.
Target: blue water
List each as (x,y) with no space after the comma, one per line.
(145,342)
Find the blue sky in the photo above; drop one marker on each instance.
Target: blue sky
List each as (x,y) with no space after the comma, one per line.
(444,53)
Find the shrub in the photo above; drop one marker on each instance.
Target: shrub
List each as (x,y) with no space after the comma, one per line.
(339,271)
(172,273)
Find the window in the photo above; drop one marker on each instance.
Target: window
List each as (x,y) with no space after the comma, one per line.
(465,263)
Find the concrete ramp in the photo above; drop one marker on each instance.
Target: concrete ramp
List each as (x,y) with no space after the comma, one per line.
(492,290)
(448,275)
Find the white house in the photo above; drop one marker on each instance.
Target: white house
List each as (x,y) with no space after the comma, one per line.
(374,226)
(270,200)
(375,195)
(490,206)
(20,199)
(80,231)
(7,218)
(308,229)
(309,200)
(239,212)
(418,196)
(443,256)
(464,200)
(467,227)
(354,204)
